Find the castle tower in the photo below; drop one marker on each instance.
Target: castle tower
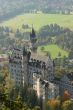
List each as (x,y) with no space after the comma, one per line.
(33,40)
(25,66)
(18,66)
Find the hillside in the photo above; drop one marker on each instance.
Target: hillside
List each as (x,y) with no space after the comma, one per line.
(11,8)
(39,20)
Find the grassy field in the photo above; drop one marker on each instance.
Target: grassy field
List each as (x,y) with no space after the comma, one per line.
(39,20)
(53,50)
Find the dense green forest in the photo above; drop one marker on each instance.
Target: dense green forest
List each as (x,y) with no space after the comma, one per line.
(11,8)
(57,35)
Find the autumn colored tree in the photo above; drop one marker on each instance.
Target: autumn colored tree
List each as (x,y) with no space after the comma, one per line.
(53,104)
(66,96)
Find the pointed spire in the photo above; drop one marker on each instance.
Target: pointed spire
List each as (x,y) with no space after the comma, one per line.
(32,34)
(33,38)
(33,31)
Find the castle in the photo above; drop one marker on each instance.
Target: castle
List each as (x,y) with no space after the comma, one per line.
(37,71)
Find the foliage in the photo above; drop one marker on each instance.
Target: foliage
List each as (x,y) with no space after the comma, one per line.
(29,96)
(53,104)
(66,96)
(15,98)
(67,105)
(57,105)
(42,48)
(71,54)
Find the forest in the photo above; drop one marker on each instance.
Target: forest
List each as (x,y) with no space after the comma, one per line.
(11,8)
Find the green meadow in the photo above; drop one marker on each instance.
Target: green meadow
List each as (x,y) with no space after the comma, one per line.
(39,20)
(53,50)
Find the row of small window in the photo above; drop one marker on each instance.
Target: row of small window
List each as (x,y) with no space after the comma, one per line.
(18,82)
(16,71)
(19,79)
(33,68)
(19,75)
(38,69)
(15,66)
